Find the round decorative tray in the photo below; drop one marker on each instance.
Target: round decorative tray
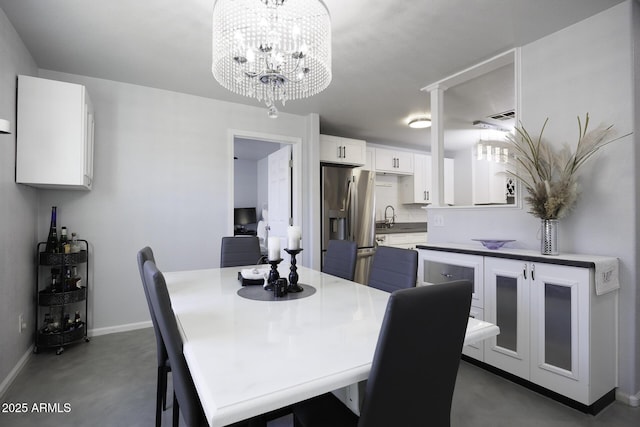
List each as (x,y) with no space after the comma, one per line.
(493,243)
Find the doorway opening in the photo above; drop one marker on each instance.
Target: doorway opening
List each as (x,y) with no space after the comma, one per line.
(266,177)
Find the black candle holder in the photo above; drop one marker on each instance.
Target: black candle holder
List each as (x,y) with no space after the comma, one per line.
(273,273)
(293,275)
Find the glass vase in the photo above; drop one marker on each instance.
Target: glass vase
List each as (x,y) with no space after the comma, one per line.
(549,237)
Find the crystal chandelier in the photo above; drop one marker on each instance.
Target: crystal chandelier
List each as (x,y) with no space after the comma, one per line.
(272,50)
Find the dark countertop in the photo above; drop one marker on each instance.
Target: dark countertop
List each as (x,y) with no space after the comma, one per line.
(403,227)
(573,260)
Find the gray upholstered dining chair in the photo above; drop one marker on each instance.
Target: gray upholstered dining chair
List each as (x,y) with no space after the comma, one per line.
(393,268)
(340,258)
(240,250)
(415,364)
(185,396)
(164,367)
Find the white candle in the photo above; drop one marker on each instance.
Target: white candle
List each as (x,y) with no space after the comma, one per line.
(274,248)
(293,234)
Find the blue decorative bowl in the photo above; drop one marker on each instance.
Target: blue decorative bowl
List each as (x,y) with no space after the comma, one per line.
(493,243)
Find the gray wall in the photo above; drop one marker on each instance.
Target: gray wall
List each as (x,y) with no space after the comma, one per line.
(583,68)
(162,178)
(244,186)
(18,207)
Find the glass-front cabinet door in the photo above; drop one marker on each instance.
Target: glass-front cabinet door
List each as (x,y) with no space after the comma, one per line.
(507,305)
(560,328)
(436,267)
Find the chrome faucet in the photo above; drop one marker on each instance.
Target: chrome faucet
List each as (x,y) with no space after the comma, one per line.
(390,220)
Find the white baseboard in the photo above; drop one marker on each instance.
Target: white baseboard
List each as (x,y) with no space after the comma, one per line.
(628,399)
(119,328)
(6,383)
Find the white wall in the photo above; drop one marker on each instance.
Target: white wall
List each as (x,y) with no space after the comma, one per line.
(18,206)
(262,185)
(583,68)
(161,179)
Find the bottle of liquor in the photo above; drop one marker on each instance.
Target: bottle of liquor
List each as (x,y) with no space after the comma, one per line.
(67,282)
(75,245)
(55,280)
(48,322)
(65,246)
(52,240)
(66,322)
(77,320)
(76,280)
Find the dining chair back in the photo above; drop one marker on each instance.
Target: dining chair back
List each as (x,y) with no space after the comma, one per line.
(185,396)
(163,366)
(393,268)
(415,364)
(340,258)
(240,250)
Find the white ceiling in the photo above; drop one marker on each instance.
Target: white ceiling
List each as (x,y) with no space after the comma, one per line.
(383,51)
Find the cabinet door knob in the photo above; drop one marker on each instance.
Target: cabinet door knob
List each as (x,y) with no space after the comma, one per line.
(533,272)
(524,271)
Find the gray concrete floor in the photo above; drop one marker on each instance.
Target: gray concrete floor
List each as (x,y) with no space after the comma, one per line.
(111,381)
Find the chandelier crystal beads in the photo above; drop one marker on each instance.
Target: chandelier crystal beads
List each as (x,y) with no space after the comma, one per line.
(272,50)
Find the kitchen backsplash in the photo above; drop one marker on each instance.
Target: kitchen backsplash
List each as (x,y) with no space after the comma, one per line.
(387,193)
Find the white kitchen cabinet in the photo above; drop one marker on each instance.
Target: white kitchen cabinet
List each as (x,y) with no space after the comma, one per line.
(435,267)
(475,350)
(438,267)
(394,161)
(338,150)
(417,188)
(55,134)
(507,305)
(489,183)
(554,330)
(402,240)
(369,164)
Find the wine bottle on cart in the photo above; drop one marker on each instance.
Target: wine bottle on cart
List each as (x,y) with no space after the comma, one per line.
(65,245)
(52,239)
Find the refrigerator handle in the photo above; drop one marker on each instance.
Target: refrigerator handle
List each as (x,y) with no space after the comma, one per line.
(351,200)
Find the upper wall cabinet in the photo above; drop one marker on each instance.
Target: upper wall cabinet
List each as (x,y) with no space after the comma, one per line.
(345,151)
(54,134)
(391,161)
(417,188)
(491,184)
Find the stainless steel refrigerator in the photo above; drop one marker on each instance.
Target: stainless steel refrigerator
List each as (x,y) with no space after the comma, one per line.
(348,212)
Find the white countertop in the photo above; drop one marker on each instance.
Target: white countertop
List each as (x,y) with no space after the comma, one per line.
(249,357)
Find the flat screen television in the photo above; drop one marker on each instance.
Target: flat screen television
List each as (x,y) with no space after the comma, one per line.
(244,216)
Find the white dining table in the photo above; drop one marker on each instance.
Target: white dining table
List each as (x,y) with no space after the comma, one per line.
(250,357)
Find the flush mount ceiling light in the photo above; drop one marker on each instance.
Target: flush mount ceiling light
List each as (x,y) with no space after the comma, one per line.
(272,50)
(420,123)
